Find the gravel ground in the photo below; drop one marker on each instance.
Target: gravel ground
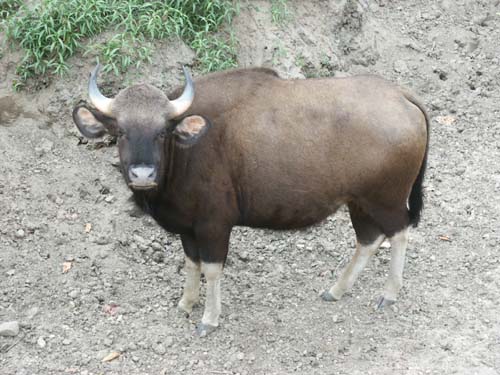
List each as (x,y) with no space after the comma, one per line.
(85,275)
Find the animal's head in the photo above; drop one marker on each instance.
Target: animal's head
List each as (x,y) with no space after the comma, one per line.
(144,120)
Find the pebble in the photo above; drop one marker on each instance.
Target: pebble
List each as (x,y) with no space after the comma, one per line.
(20,233)
(159,349)
(158,256)
(41,342)
(66,342)
(11,272)
(9,328)
(243,256)
(169,341)
(156,246)
(74,293)
(30,314)
(400,66)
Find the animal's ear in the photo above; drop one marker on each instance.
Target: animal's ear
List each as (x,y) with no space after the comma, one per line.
(190,130)
(92,123)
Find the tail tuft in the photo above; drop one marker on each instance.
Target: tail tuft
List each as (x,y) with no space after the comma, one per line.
(416,200)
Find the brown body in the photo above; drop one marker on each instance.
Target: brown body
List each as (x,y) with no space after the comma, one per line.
(272,153)
(276,157)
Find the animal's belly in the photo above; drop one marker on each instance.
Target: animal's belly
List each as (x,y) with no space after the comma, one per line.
(292,215)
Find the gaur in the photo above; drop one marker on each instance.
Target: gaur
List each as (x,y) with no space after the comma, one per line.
(249,148)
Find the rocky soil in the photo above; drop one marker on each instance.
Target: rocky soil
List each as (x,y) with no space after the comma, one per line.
(86,276)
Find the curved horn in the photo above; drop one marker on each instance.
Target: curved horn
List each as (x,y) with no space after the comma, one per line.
(183,102)
(99,101)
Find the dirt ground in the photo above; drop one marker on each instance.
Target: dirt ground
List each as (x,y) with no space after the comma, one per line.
(63,202)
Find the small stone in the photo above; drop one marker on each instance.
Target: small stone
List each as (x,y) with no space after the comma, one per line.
(9,328)
(20,233)
(159,349)
(103,240)
(472,45)
(156,246)
(108,341)
(41,342)
(109,199)
(10,272)
(240,356)
(169,341)
(138,239)
(337,319)
(158,257)
(74,293)
(131,346)
(30,314)
(400,66)
(480,20)
(243,256)
(66,342)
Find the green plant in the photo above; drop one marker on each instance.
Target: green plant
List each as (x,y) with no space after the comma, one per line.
(8,7)
(214,53)
(279,11)
(54,30)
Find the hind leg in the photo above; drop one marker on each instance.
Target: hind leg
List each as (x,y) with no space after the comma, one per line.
(368,239)
(399,243)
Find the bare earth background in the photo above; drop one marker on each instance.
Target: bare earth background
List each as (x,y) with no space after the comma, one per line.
(61,201)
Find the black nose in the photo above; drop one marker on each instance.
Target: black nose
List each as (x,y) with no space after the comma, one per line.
(142,176)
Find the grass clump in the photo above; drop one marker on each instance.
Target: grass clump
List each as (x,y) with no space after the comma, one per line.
(279,11)
(55,30)
(9,7)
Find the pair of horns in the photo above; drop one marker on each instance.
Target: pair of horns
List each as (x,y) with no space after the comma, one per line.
(103,104)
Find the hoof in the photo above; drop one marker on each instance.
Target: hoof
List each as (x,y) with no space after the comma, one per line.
(328,297)
(384,302)
(203,330)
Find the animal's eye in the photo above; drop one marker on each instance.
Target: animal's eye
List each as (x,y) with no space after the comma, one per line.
(162,134)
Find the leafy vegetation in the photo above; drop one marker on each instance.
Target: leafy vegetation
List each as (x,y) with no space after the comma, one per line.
(54,30)
(279,11)
(8,7)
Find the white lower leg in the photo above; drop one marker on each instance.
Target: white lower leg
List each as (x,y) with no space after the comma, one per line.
(356,265)
(399,242)
(213,274)
(191,294)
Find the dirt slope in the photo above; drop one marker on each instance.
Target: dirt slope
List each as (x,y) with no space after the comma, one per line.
(63,201)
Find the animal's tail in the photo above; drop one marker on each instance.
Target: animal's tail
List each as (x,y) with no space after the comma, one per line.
(416,199)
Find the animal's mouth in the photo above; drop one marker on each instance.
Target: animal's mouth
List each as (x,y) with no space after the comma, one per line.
(143,186)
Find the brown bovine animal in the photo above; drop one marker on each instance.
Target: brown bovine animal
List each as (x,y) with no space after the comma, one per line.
(252,149)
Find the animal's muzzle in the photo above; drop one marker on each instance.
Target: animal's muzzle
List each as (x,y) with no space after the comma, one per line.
(142,177)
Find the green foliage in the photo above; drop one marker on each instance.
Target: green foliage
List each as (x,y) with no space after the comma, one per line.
(55,30)
(279,11)
(8,7)
(214,53)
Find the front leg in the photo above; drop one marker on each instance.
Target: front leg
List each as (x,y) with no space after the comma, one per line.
(213,243)
(191,293)
(210,319)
